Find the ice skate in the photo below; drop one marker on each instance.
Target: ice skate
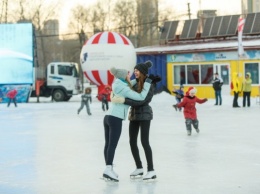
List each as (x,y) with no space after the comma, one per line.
(189,132)
(137,173)
(197,130)
(109,174)
(150,176)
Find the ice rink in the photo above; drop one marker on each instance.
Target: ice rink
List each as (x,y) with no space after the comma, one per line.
(46,148)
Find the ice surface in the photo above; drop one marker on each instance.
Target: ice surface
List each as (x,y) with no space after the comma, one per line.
(46,148)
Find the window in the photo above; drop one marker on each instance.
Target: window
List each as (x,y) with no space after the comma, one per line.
(206,74)
(253,68)
(52,69)
(65,70)
(179,74)
(193,75)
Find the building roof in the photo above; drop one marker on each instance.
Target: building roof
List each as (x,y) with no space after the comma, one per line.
(199,46)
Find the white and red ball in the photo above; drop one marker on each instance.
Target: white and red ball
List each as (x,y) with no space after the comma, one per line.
(103,51)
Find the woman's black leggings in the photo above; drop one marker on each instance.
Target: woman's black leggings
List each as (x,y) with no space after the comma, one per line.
(113,128)
(133,134)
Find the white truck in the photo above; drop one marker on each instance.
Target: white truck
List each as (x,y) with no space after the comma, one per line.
(60,82)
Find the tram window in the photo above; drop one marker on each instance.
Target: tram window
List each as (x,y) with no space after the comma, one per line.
(179,74)
(253,68)
(193,74)
(206,74)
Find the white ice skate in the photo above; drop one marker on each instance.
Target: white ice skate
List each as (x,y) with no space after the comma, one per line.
(109,174)
(137,173)
(150,176)
(197,130)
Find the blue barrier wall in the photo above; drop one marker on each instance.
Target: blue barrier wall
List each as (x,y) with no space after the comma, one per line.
(23,92)
(158,68)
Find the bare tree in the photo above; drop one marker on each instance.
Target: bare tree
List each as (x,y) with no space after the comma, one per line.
(124,17)
(4,11)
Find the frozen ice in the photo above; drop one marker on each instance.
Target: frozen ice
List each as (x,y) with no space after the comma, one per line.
(47,148)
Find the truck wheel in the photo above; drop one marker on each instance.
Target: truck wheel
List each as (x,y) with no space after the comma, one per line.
(58,95)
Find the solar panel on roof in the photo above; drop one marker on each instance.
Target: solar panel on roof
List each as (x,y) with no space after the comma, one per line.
(256,25)
(224,25)
(186,29)
(215,26)
(249,23)
(166,27)
(232,28)
(172,30)
(207,27)
(194,28)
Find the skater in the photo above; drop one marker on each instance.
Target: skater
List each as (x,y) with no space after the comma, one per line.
(140,116)
(217,84)
(86,99)
(190,114)
(104,96)
(179,94)
(12,97)
(236,88)
(1,95)
(116,114)
(246,87)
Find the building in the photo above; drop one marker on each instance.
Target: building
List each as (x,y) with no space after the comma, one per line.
(250,6)
(191,58)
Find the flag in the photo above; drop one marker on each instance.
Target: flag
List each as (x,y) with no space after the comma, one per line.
(241,23)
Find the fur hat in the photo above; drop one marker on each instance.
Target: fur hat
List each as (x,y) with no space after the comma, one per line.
(191,90)
(119,73)
(143,67)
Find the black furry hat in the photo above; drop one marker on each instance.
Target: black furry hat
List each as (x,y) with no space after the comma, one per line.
(143,67)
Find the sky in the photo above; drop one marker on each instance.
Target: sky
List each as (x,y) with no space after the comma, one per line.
(47,148)
(179,6)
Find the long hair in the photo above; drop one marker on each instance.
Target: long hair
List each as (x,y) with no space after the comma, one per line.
(140,82)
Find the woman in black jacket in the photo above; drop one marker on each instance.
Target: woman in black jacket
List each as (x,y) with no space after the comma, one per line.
(140,116)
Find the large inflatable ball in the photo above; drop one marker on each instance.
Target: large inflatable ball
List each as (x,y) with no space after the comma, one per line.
(103,51)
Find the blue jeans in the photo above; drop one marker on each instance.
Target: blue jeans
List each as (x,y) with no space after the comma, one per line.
(218,97)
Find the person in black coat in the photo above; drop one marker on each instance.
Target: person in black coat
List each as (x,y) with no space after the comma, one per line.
(140,116)
(217,84)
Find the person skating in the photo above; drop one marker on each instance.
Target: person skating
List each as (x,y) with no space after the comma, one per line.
(86,99)
(116,114)
(104,96)
(179,94)
(236,89)
(190,113)
(12,97)
(246,88)
(140,116)
(217,84)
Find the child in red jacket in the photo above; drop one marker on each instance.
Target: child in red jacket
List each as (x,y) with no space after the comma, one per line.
(12,97)
(190,114)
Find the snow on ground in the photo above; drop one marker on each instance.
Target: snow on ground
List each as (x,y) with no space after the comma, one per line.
(46,148)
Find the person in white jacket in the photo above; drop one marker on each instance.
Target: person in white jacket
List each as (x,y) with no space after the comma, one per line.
(116,114)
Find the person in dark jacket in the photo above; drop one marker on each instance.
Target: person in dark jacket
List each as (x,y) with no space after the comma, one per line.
(140,116)
(217,84)
(179,94)
(86,99)
(190,113)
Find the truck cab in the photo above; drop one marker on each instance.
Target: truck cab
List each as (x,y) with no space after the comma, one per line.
(61,82)
(63,79)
